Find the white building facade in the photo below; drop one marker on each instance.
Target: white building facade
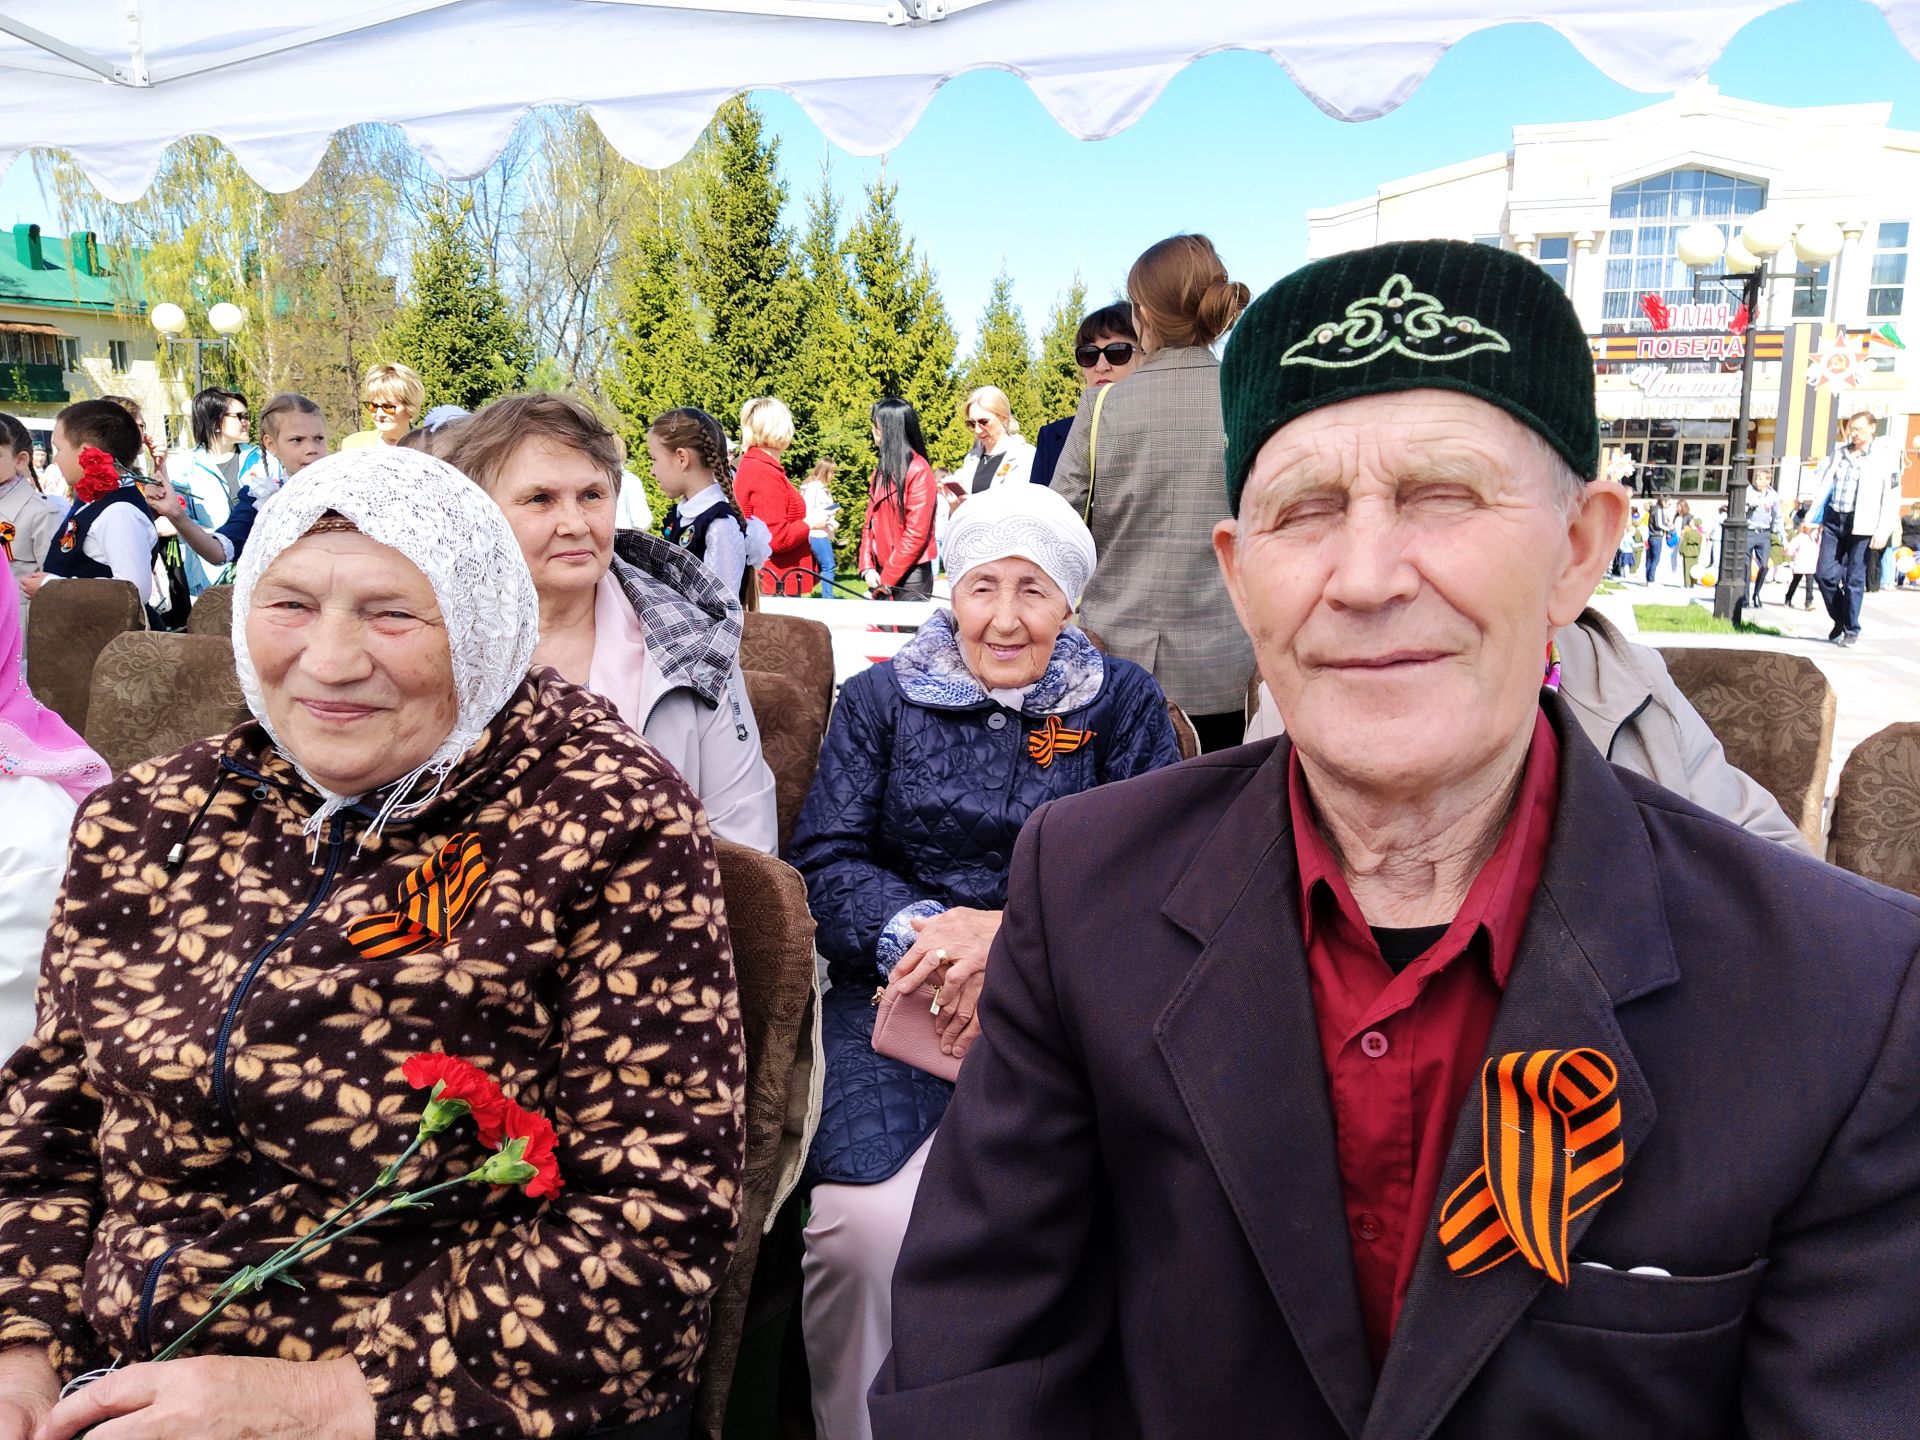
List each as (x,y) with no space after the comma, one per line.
(1601,204)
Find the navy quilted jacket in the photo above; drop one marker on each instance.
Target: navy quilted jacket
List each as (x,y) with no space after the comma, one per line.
(924,783)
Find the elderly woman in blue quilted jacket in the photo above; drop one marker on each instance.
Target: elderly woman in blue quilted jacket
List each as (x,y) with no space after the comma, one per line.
(933,762)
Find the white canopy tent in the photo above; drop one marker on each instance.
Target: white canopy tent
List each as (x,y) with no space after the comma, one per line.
(114,82)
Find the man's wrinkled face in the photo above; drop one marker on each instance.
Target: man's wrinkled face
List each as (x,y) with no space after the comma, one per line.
(1400,562)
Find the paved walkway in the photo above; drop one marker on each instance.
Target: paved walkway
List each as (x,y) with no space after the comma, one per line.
(1876,682)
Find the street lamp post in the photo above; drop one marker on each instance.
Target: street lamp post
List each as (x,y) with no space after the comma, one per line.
(171,321)
(1746,260)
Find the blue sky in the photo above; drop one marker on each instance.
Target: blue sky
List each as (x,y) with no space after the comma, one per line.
(1233,149)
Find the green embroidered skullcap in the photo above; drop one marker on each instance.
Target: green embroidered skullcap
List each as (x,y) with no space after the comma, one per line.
(1415,315)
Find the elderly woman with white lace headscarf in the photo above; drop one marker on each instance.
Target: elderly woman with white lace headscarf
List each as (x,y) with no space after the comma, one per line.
(415,847)
(932,763)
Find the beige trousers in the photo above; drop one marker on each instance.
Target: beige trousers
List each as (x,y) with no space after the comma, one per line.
(846,1299)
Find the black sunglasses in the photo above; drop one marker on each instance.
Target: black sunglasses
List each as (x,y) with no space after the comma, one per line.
(1118,352)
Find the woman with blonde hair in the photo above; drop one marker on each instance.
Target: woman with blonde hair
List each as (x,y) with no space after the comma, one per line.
(1142,466)
(1000,454)
(763,492)
(394,397)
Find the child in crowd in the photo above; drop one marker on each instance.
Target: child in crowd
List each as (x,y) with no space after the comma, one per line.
(689,453)
(1803,557)
(1633,540)
(293,434)
(107,535)
(823,522)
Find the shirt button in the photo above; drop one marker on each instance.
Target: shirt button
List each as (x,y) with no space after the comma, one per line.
(1368,1227)
(1373,1044)
(997,720)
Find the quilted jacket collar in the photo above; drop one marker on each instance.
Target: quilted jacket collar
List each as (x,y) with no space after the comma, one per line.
(932,672)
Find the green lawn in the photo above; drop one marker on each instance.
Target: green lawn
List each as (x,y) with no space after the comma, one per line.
(1693,620)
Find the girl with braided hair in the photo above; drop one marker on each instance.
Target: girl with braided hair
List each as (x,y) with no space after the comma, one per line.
(689,453)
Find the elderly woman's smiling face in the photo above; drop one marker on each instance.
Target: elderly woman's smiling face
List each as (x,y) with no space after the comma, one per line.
(352,656)
(1400,562)
(1008,615)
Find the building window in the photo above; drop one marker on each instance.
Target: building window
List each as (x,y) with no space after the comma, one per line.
(1648,217)
(17,348)
(70,352)
(1810,290)
(1555,252)
(1679,457)
(1887,282)
(117,356)
(1495,242)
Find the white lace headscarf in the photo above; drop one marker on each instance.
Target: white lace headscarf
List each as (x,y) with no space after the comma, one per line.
(446,525)
(1030,521)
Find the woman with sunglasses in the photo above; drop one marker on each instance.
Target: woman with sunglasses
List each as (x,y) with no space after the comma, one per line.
(223,459)
(1106,350)
(1000,455)
(1143,468)
(394,397)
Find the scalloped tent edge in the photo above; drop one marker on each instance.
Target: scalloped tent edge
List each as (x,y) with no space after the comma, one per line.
(115,91)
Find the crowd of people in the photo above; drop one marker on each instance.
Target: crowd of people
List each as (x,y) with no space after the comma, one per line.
(1158,1098)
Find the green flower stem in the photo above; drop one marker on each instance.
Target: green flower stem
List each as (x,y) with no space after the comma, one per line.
(256,1277)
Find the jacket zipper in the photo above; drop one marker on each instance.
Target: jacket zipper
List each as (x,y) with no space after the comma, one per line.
(222,1086)
(151,1284)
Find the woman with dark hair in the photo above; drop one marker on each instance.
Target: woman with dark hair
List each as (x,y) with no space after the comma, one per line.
(222,459)
(896,544)
(1156,493)
(1106,350)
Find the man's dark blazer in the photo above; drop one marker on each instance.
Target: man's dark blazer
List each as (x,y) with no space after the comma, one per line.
(1131,1221)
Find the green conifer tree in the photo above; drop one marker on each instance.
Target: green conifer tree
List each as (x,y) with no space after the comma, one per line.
(903,339)
(660,357)
(741,263)
(1057,380)
(1003,355)
(455,327)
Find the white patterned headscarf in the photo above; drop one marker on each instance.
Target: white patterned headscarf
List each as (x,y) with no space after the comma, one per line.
(444,524)
(1024,520)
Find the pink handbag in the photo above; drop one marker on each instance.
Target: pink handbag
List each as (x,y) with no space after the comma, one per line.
(906,1029)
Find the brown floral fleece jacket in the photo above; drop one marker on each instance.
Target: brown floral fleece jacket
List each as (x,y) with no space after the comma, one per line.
(217,1067)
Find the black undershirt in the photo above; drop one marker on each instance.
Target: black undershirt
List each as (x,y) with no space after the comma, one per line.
(1400,948)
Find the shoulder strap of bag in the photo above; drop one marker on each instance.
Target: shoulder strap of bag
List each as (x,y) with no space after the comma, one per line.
(1093,453)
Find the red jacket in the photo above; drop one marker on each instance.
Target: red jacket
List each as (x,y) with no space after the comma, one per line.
(761,490)
(889,544)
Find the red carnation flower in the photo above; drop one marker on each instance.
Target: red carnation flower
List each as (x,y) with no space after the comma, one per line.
(99,476)
(537,1131)
(460,1080)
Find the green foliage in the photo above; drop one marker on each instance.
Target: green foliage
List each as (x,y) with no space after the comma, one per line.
(903,340)
(741,266)
(1057,379)
(1003,355)
(456,327)
(660,358)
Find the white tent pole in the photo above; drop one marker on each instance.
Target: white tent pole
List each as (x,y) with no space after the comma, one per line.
(72,54)
(294,40)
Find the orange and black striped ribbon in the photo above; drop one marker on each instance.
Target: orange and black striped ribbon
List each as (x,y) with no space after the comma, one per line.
(1053,739)
(1551,1150)
(433,899)
(7,534)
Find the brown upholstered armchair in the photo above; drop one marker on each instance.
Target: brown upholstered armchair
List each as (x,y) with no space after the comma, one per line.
(773,959)
(791,728)
(1773,715)
(212,612)
(70,623)
(1876,809)
(795,647)
(154,692)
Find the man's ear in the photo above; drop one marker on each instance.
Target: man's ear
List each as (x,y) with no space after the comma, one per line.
(1593,539)
(1226,550)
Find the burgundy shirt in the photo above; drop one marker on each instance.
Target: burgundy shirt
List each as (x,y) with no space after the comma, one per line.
(1403,1051)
